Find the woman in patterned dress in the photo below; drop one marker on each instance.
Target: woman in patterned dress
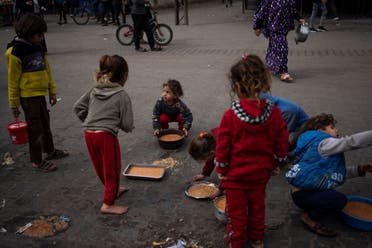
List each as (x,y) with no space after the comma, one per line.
(274,18)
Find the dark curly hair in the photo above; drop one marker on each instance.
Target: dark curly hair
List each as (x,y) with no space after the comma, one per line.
(314,123)
(252,76)
(175,87)
(29,25)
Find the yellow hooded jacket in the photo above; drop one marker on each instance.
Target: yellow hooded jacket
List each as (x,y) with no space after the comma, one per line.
(29,72)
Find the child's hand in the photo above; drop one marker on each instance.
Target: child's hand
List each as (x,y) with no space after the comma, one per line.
(214,194)
(52,99)
(156,132)
(185,132)
(221,177)
(257,32)
(367,168)
(198,177)
(15,112)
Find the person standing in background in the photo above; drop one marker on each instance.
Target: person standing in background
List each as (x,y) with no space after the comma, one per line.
(318,4)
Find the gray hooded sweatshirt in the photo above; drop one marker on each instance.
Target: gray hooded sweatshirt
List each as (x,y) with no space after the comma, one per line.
(106,107)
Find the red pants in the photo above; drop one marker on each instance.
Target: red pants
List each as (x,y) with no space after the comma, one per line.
(165,119)
(245,209)
(104,151)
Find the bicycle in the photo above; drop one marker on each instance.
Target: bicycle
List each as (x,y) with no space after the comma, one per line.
(81,15)
(162,33)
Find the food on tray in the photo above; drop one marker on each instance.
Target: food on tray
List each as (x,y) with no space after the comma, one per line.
(361,210)
(145,171)
(221,203)
(201,190)
(170,137)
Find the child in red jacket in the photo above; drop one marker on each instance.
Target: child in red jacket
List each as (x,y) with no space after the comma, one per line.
(252,139)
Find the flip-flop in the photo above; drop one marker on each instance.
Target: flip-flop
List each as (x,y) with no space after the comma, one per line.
(286,77)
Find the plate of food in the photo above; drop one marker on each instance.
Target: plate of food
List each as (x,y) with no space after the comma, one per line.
(358,212)
(200,190)
(144,171)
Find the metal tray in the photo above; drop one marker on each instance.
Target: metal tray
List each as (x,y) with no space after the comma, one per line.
(134,176)
(198,183)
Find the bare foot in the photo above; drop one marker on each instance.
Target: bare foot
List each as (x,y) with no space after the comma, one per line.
(121,191)
(113,209)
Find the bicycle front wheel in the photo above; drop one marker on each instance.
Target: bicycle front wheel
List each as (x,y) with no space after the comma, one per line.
(163,34)
(124,34)
(81,17)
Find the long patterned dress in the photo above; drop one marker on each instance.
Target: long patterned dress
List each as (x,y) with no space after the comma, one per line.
(276,18)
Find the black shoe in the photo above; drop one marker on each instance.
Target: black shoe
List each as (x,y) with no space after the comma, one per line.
(156,49)
(313,30)
(141,49)
(322,29)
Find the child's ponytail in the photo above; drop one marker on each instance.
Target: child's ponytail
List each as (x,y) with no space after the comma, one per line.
(114,68)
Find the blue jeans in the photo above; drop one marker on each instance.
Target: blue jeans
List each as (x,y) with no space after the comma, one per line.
(314,12)
(319,204)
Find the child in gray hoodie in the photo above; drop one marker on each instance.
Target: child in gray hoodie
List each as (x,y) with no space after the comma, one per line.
(104,110)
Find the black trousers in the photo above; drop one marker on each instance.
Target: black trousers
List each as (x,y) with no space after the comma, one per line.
(39,134)
(141,23)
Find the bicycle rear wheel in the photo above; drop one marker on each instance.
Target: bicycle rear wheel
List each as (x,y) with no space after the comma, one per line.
(81,17)
(163,34)
(124,34)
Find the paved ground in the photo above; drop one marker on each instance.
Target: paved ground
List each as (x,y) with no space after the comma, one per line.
(332,71)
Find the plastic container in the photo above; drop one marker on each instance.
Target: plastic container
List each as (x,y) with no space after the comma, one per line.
(18,132)
(355,222)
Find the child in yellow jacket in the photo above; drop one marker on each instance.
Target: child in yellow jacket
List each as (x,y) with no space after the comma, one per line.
(29,80)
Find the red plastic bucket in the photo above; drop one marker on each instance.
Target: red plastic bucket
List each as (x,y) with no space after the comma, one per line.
(18,132)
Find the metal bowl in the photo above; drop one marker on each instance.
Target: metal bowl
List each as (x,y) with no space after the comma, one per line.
(198,183)
(220,215)
(355,222)
(171,144)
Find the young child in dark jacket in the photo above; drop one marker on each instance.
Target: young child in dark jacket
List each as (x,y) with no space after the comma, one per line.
(104,110)
(170,108)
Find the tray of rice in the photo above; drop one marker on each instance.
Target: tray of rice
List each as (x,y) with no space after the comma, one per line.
(200,190)
(144,171)
(358,213)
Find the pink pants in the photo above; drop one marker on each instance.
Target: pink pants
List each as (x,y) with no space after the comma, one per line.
(104,151)
(165,119)
(245,209)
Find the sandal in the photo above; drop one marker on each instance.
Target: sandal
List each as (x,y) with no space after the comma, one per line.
(57,154)
(46,166)
(319,229)
(286,77)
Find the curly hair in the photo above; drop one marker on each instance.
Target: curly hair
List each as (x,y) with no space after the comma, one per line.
(175,87)
(314,123)
(114,67)
(202,146)
(252,76)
